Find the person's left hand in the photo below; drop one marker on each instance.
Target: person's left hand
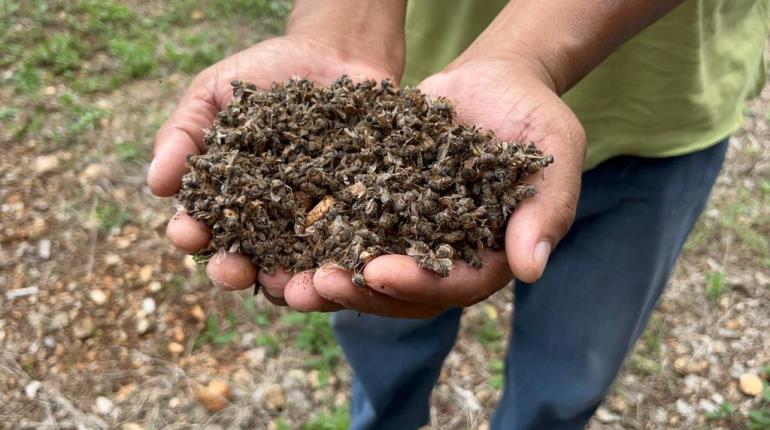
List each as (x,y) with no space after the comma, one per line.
(518,103)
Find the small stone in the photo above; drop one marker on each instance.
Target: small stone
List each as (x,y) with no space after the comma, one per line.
(707,406)
(103,405)
(274,398)
(605,416)
(750,384)
(154,286)
(189,263)
(197,313)
(45,163)
(94,171)
(142,326)
(112,259)
(59,321)
(145,273)
(97,296)
(313,379)
(295,378)
(174,402)
(197,15)
(215,395)
(31,389)
(255,357)
(49,342)
(44,249)
(466,399)
(83,328)
(148,305)
(175,348)
(685,410)
(734,324)
(125,391)
(297,402)
(340,399)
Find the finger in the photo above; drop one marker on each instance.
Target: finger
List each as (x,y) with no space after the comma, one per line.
(186,233)
(273,285)
(335,285)
(180,136)
(537,225)
(401,277)
(230,271)
(301,295)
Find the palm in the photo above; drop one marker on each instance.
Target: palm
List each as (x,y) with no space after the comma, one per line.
(517,106)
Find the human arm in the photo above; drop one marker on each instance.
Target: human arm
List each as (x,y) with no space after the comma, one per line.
(509,80)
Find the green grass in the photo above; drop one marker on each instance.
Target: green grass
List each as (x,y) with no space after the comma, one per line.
(646,357)
(497,368)
(129,151)
(715,285)
(725,411)
(215,333)
(337,419)
(314,336)
(111,216)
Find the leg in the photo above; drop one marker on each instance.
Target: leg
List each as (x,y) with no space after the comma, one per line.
(574,327)
(396,364)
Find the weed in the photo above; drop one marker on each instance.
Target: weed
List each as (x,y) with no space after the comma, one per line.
(337,419)
(497,378)
(716,285)
(759,419)
(258,317)
(111,216)
(280,424)
(61,51)
(7,113)
(215,334)
(725,411)
(27,80)
(129,151)
(315,337)
(137,58)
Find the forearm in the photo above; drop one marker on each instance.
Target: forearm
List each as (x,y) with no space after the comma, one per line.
(371,30)
(564,40)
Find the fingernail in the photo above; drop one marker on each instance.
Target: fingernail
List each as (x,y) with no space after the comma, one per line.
(542,252)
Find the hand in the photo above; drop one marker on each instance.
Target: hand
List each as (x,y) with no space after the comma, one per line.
(273,60)
(519,104)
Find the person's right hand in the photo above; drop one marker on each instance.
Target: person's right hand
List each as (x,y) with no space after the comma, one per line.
(182,134)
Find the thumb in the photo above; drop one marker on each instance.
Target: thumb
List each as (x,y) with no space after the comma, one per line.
(540,222)
(180,136)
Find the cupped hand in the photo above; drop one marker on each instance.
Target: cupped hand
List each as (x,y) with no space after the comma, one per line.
(182,134)
(518,104)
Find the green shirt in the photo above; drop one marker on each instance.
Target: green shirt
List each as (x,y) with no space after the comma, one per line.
(677,87)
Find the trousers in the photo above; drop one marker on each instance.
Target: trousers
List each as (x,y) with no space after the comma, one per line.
(573,328)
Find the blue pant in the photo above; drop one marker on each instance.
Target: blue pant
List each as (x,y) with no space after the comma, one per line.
(573,328)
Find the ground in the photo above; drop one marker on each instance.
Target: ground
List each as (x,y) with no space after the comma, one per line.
(104,325)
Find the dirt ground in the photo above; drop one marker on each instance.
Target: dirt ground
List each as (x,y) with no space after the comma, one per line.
(104,325)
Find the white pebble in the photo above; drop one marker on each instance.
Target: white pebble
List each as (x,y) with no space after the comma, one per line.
(154,286)
(98,296)
(148,305)
(103,405)
(31,389)
(142,326)
(44,249)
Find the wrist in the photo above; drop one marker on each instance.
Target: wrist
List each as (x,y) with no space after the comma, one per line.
(359,32)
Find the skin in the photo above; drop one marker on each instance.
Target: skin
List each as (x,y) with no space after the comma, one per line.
(509,80)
